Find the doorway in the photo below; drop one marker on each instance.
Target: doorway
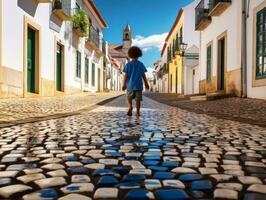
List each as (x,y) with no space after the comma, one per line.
(221,65)
(193,81)
(176,80)
(59,67)
(171,83)
(99,80)
(31,60)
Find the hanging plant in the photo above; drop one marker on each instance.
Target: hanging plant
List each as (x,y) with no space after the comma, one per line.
(81,22)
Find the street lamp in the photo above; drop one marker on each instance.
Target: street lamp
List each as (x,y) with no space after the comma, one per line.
(183,48)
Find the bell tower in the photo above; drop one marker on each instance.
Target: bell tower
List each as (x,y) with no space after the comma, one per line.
(127,38)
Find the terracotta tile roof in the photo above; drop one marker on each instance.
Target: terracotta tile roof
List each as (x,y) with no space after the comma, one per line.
(115,46)
(115,62)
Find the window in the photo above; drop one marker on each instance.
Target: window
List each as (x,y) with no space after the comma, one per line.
(126,36)
(77,6)
(86,70)
(181,35)
(170,52)
(78,64)
(209,64)
(173,46)
(171,78)
(261,45)
(177,42)
(93,74)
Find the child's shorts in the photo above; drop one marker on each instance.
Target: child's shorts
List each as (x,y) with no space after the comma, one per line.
(137,95)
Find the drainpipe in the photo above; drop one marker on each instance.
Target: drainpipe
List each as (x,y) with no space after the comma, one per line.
(244,50)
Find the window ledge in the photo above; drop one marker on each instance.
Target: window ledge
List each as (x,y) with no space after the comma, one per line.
(259,82)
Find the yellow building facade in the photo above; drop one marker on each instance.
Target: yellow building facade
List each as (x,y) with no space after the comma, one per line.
(174,56)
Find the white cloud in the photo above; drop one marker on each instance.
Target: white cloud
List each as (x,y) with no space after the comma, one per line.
(151,42)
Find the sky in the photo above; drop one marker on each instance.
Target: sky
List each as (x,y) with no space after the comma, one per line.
(150,21)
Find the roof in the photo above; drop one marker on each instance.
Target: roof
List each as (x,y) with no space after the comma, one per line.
(163,49)
(91,3)
(175,24)
(127,28)
(117,54)
(115,46)
(114,61)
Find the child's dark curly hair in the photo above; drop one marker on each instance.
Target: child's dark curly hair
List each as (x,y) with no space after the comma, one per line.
(134,52)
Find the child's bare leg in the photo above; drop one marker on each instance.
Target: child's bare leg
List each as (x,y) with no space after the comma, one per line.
(138,105)
(130,107)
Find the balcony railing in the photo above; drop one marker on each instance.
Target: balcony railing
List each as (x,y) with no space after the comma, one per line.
(62,9)
(178,41)
(217,7)
(202,16)
(94,38)
(104,46)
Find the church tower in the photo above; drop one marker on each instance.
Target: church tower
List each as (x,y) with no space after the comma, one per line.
(127,38)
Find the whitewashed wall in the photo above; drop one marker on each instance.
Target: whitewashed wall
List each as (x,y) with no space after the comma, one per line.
(51,29)
(253,92)
(192,39)
(230,21)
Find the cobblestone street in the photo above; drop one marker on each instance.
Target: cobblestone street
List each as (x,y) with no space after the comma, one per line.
(167,154)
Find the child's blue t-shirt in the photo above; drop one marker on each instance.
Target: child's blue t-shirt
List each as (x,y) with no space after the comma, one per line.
(135,71)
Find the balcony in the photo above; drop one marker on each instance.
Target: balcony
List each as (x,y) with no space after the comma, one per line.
(44,1)
(202,16)
(104,46)
(217,7)
(62,9)
(178,41)
(93,40)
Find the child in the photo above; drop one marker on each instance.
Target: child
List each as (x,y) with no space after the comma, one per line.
(132,82)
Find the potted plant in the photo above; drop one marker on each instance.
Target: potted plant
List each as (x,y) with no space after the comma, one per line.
(81,23)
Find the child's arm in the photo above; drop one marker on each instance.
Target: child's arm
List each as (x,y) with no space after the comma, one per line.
(146,82)
(124,87)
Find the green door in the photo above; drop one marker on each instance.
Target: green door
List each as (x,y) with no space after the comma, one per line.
(31,60)
(86,70)
(59,54)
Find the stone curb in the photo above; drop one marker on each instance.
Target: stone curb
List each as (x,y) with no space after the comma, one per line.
(59,115)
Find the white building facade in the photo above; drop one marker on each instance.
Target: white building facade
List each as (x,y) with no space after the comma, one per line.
(156,76)
(42,55)
(115,76)
(191,56)
(232,47)
(164,72)
(256,49)
(220,28)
